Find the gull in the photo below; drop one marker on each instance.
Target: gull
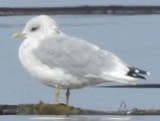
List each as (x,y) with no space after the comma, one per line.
(66,62)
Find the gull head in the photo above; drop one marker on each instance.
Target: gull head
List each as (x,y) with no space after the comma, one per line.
(38,27)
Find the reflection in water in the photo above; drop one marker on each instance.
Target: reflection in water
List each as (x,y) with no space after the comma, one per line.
(10,26)
(65,25)
(5,26)
(82,118)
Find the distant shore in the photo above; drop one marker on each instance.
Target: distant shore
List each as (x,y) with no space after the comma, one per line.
(80,10)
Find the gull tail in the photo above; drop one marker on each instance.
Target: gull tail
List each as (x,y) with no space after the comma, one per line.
(137,73)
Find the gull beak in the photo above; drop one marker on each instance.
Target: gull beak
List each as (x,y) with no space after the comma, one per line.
(18,35)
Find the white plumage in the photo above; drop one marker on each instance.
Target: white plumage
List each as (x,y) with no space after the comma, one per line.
(66,62)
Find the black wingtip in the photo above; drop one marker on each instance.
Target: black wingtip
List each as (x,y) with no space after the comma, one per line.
(137,73)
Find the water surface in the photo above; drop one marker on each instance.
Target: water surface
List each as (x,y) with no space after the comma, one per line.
(135,39)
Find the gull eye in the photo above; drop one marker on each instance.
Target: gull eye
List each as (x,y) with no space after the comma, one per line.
(34,28)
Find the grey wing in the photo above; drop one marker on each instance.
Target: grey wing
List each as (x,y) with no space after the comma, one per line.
(75,56)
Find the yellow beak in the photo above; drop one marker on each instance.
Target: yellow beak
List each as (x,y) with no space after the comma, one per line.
(18,35)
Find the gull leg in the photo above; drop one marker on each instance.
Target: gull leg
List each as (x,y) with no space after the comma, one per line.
(57,93)
(67,96)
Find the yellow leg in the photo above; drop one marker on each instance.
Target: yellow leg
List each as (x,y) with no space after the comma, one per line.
(57,93)
(67,96)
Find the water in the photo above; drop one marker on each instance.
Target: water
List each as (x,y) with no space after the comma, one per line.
(135,39)
(72,118)
(36,3)
(79,118)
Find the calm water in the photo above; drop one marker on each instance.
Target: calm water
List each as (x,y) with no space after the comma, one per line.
(135,39)
(79,118)
(35,3)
